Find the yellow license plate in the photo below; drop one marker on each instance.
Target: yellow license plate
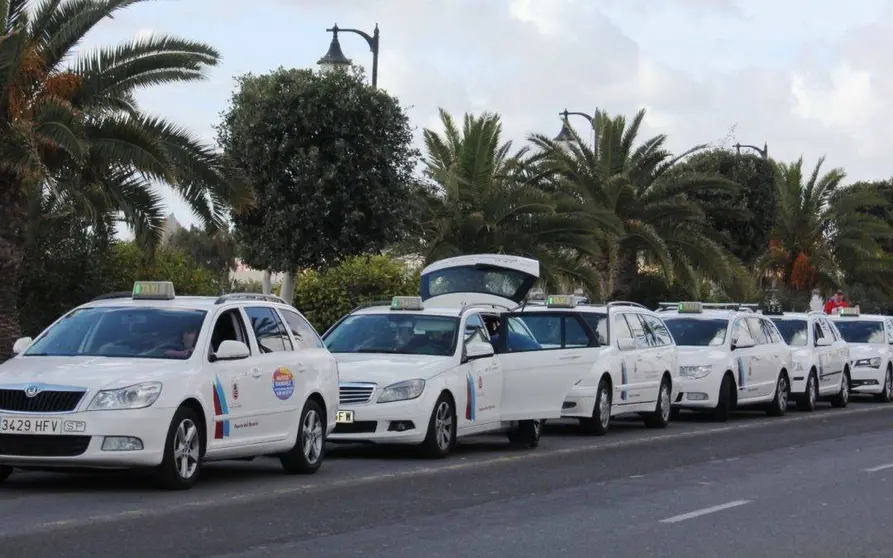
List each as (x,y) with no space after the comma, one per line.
(344,417)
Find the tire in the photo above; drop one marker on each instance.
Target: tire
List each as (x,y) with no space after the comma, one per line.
(807,401)
(183,452)
(842,398)
(779,405)
(600,421)
(5,471)
(886,396)
(526,434)
(441,437)
(309,451)
(720,413)
(660,418)
(675,413)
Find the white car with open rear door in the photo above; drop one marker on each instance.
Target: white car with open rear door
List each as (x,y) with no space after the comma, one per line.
(870,337)
(422,370)
(820,358)
(729,357)
(153,380)
(624,356)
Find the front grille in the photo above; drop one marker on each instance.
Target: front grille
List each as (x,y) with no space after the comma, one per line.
(30,445)
(44,402)
(359,427)
(355,393)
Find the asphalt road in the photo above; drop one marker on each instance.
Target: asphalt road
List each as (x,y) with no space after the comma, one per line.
(808,484)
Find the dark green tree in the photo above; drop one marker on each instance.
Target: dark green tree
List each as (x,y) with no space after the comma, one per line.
(330,160)
(214,250)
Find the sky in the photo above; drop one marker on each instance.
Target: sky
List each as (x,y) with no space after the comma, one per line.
(810,78)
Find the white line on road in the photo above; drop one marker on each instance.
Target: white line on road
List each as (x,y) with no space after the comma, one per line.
(705,511)
(879,468)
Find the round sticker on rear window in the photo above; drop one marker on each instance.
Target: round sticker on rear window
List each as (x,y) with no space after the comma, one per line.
(283,383)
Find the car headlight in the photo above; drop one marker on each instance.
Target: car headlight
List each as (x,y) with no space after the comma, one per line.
(870,362)
(401,391)
(695,371)
(131,397)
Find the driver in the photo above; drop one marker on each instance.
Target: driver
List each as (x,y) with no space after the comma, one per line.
(187,341)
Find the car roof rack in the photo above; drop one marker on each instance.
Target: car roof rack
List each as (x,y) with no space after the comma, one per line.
(250,296)
(492,305)
(734,306)
(372,304)
(614,303)
(116,294)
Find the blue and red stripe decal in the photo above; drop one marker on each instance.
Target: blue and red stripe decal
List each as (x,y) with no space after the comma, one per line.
(470,397)
(221,426)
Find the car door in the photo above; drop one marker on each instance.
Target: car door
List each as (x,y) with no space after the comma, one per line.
(645,375)
(826,361)
(666,354)
(625,390)
(748,371)
(840,352)
(277,386)
(538,371)
(770,356)
(483,378)
(229,382)
(321,367)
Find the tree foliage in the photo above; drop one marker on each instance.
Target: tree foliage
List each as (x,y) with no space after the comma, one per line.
(210,249)
(330,160)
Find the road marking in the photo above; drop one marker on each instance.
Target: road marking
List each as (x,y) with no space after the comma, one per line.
(164,508)
(705,511)
(879,468)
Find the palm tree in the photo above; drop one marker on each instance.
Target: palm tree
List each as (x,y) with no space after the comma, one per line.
(484,199)
(635,184)
(71,129)
(823,228)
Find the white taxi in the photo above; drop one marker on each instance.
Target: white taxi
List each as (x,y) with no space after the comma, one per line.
(150,379)
(870,337)
(625,357)
(423,370)
(820,356)
(729,356)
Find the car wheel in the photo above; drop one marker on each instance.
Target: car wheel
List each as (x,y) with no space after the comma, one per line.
(183,452)
(5,471)
(720,413)
(526,434)
(886,396)
(660,418)
(842,398)
(600,421)
(441,438)
(307,455)
(807,401)
(779,405)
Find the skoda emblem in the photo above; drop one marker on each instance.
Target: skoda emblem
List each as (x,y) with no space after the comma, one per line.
(32,390)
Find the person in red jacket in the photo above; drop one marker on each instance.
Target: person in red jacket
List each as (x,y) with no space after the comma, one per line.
(835,302)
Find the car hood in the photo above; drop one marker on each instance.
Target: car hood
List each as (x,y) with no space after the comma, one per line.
(387,369)
(699,356)
(86,372)
(865,350)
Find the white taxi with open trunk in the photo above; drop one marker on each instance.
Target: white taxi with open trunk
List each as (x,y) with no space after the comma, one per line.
(423,370)
(150,379)
(870,338)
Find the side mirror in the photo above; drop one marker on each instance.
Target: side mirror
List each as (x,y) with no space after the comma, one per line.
(743,344)
(231,350)
(626,344)
(822,342)
(478,349)
(21,345)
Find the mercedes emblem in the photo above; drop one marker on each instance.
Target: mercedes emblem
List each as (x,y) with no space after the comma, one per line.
(32,390)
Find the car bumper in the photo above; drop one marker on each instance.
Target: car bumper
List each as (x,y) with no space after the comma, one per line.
(864,379)
(83,436)
(700,393)
(398,422)
(580,403)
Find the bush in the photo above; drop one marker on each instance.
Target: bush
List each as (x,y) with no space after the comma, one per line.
(326,296)
(129,265)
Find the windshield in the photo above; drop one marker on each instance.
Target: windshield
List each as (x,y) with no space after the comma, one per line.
(407,334)
(795,332)
(492,280)
(122,332)
(861,331)
(694,332)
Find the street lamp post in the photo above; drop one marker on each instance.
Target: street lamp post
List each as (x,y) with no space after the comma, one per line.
(565,136)
(335,57)
(764,152)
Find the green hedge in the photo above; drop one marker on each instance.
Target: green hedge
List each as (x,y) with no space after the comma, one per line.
(324,297)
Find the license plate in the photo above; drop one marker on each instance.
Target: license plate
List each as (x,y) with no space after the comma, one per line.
(344,417)
(30,425)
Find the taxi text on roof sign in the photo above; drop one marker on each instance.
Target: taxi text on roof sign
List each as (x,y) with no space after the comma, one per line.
(561,301)
(849,311)
(690,307)
(153,290)
(406,303)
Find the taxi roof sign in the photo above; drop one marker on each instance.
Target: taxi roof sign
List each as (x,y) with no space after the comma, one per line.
(690,307)
(153,290)
(561,301)
(850,311)
(407,303)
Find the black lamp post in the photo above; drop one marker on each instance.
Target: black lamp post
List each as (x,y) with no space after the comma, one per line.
(764,153)
(335,57)
(565,136)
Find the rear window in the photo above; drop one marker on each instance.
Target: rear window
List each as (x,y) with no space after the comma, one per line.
(694,332)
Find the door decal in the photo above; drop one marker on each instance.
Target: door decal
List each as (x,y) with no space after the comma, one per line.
(471,398)
(221,426)
(624,380)
(742,373)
